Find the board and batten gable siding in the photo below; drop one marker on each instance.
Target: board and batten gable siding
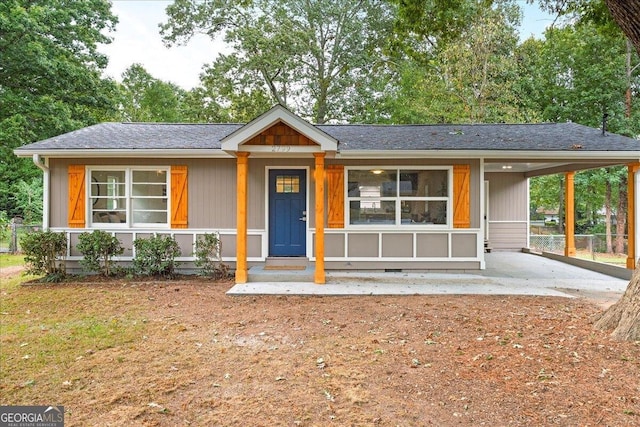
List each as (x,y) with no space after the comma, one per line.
(508,210)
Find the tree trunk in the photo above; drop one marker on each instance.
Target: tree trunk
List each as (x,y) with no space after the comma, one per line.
(624,316)
(626,13)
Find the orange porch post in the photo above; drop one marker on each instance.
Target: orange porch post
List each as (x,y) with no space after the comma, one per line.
(631,215)
(569,214)
(319,276)
(242,166)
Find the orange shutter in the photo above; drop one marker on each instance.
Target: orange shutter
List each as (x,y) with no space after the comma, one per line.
(179,201)
(335,196)
(461,207)
(77,205)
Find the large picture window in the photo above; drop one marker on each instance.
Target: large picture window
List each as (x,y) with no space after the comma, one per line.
(129,196)
(398,196)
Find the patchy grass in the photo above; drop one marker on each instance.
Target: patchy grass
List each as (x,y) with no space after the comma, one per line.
(46,329)
(157,353)
(9,260)
(615,259)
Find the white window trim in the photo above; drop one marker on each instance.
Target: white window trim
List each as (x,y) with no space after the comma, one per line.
(128,170)
(400,226)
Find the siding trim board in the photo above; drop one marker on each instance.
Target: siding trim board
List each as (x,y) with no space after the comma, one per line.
(375,246)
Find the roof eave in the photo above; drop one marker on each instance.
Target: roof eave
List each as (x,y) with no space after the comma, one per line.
(129,153)
(633,156)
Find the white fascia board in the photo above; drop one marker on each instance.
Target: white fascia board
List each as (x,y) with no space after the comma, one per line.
(277,114)
(632,156)
(105,153)
(280,150)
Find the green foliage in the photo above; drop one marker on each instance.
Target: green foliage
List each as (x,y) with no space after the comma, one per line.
(577,74)
(424,26)
(311,56)
(470,79)
(50,78)
(209,257)
(147,99)
(28,199)
(44,254)
(155,256)
(5,229)
(98,248)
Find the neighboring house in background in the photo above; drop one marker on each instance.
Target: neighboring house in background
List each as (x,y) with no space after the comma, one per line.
(373,197)
(551,216)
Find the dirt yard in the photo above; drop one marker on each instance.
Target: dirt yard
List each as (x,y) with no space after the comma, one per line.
(184,354)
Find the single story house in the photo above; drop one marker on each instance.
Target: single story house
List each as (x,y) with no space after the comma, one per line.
(343,196)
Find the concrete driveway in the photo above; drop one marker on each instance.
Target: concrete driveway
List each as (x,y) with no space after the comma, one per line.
(507,273)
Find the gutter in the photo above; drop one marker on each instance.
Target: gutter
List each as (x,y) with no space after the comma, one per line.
(571,155)
(156,153)
(43,164)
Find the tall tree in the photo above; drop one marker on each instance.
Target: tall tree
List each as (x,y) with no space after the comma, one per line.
(50,77)
(625,13)
(470,78)
(580,76)
(422,27)
(147,99)
(307,55)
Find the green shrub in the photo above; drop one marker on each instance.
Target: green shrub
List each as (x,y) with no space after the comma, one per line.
(155,256)
(209,257)
(44,254)
(98,248)
(5,228)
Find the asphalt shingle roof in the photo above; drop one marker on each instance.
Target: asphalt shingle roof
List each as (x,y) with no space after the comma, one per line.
(533,137)
(530,137)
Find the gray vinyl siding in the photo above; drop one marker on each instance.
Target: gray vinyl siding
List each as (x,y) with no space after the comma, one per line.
(508,210)
(212,193)
(508,235)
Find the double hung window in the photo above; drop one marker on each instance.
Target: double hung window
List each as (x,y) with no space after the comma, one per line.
(399,196)
(129,196)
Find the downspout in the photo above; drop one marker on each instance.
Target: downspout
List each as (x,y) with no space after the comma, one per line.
(44,165)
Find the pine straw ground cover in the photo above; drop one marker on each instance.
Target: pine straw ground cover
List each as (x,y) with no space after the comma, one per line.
(183,353)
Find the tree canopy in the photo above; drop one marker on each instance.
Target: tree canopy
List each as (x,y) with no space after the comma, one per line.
(314,55)
(50,77)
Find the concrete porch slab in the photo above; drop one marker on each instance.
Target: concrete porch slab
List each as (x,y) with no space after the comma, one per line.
(507,273)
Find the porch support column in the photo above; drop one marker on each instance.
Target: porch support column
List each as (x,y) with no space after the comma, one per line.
(242,168)
(319,277)
(569,214)
(632,215)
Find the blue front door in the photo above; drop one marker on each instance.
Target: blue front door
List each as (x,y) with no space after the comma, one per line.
(287,212)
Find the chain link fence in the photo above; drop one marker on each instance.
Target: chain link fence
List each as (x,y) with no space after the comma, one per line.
(10,238)
(593,246)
